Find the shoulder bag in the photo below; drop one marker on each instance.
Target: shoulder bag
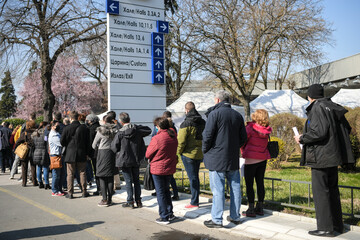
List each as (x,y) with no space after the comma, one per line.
(22,150)
(55,162)
(273,147)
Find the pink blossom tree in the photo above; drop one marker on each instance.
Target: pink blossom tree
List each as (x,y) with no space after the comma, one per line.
(68,85)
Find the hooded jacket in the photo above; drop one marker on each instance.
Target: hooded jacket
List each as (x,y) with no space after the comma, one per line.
(105,159)
(257,140)
(129,145)
(326,136)
(223,136)
(190,136)
(41,156)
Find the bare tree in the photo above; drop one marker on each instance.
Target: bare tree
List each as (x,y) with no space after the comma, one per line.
(93,59)
(45,29)
(233,38)
(179,63)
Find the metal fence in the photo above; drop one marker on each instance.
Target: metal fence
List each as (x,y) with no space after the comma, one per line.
(205,189)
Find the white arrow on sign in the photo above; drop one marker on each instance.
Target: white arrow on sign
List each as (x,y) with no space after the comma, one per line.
(158,38)
(159,77)
(158,51)
(113,7)
(158,64)
(163,27)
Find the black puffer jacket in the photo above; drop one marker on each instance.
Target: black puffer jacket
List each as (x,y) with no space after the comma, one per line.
(129,144)
(326,135)
(40,156)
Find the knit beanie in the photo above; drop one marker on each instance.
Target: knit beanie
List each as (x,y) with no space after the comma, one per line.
(315,91)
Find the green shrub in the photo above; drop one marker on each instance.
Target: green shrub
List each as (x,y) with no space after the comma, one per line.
(15,121)
(282,125)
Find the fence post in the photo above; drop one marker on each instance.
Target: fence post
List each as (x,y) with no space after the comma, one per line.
(290,192)
(272,189)
(309,195)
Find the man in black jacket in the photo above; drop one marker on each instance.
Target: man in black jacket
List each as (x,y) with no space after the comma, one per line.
(223,136)
(93,123)
(326,146)
(75,139)
(130,144)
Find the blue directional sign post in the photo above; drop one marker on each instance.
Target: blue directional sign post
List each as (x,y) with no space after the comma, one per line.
(112,7)
(158,52)
(136,58)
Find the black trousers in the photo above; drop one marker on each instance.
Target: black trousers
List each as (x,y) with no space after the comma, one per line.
(255,171)
(107,186)
(326,198)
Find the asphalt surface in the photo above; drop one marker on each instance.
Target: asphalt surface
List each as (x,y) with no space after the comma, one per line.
(32,213)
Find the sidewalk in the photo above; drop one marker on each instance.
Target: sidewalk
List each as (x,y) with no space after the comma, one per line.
(273,225)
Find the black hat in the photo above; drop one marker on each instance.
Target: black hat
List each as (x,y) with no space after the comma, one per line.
(315,91)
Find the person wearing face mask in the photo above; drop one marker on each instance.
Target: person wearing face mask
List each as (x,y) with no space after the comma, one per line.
(326,145)
(55,150)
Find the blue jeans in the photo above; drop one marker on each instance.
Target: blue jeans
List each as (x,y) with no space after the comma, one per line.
(55,185)
(39,174)
(192,169)
(163,195)
(131,176)
(217,185)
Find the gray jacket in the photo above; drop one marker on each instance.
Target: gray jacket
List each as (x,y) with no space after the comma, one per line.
(104,136)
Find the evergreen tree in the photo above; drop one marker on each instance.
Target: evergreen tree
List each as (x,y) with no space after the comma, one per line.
(8,97)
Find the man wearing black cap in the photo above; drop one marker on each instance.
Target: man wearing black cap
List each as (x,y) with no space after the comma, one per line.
(326,146)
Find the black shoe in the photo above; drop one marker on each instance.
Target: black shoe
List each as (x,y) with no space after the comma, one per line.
(175,198)
(153,194)
(321,233)
(162,221)
(41,185)
(96,193)
(139,204)
(211,224)
(69,196)
(339,229)
(233,221)
(118,188)
(128,205)
(47,186)
(172,217)
(85,194)
(35,184)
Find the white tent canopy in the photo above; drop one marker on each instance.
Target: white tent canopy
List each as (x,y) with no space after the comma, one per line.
(202,101)
(347,98)
(280,101)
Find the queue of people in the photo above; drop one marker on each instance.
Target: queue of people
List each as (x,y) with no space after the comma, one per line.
(70,146)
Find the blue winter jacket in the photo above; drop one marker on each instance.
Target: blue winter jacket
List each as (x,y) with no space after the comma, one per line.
(223,136)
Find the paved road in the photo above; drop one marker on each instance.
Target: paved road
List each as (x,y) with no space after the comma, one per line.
(32,213)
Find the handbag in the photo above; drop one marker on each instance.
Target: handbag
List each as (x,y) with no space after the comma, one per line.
(148,180)
(273,147)
(22,150)
(55,162)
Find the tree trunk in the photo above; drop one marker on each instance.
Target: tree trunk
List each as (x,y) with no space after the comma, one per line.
(48,96)
(246,103)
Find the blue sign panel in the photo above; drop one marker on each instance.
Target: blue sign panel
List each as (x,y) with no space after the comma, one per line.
(158,77)
(158,51)
(112,7)
(162,26)
(157,39)
(158,64)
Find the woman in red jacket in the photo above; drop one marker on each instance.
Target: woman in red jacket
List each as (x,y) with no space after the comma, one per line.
(163,159)
(256,153)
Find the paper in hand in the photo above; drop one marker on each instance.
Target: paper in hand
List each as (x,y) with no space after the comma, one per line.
(296,132)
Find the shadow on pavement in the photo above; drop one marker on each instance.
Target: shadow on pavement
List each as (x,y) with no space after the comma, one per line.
(47,231)
(177,235)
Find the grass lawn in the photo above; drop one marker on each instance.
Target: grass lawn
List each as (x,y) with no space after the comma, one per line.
(291,171)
